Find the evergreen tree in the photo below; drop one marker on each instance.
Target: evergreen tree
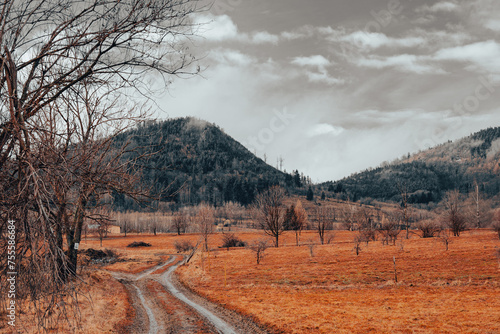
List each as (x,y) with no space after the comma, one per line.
(310,194)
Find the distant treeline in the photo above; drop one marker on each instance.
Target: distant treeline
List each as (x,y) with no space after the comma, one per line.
(429,174)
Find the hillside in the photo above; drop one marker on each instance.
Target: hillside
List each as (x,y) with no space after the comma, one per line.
(429,174)
(192,161)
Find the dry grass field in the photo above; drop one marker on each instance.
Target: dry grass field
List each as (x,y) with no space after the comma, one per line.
(320,289)
(104,307)
(335,291)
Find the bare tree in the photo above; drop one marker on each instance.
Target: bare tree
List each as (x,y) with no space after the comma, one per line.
(125,226)
(180,222)
(405,207)
(60,62)
(358,239)
(323,219)
(444,237)
(205,220)
(389,228)
(350,216)
(453,213)
(270,212)
(366,225)
(259,247)
(103,227)
(301,221)
(478,209)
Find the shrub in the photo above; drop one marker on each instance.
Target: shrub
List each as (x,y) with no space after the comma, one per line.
(183,246)
(139,244)
(259,247)
(231,240)
(429,228)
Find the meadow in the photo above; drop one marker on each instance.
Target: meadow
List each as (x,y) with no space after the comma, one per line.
(414,286)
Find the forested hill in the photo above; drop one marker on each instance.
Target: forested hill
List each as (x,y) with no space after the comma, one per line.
(196,161)
(427,175)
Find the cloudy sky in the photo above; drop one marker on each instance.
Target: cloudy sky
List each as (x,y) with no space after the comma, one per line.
(337,86)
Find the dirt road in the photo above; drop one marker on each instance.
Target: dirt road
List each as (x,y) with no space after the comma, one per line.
(163,305)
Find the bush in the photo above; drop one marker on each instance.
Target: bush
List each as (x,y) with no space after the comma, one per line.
(231,240)
(429,228)
(183,246)
(139,244)
(259,247)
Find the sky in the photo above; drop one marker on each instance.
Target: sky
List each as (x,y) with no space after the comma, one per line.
(334,87)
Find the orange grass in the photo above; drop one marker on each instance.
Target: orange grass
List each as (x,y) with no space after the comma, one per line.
(438,291)
(104,307)
(136,260)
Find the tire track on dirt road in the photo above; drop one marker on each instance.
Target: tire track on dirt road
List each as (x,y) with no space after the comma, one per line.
(163,305)
(166,280)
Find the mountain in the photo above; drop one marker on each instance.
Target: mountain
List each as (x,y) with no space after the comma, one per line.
(427,175)
(192,161)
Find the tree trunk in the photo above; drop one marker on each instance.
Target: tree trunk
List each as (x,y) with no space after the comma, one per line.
(74,236)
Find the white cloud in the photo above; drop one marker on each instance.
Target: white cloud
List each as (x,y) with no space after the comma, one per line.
(404,62)
(443,6)
(323,78)
(484,55)
(216,28)
(231,57)
(493,24)
(309,31)
(317,61)
(374,40)
(263,37)
(222,28)
(324,129)
(320,63)
(483,13)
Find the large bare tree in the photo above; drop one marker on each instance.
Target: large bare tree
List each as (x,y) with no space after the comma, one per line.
(67,70)
(271,212)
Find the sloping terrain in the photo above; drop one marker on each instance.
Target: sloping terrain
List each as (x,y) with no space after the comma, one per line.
(427,175)
(190,161)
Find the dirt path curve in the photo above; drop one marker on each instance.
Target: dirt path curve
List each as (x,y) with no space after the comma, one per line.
(163,305)
(221,326)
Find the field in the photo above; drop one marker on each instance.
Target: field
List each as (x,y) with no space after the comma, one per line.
(321,288)
(335,291)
